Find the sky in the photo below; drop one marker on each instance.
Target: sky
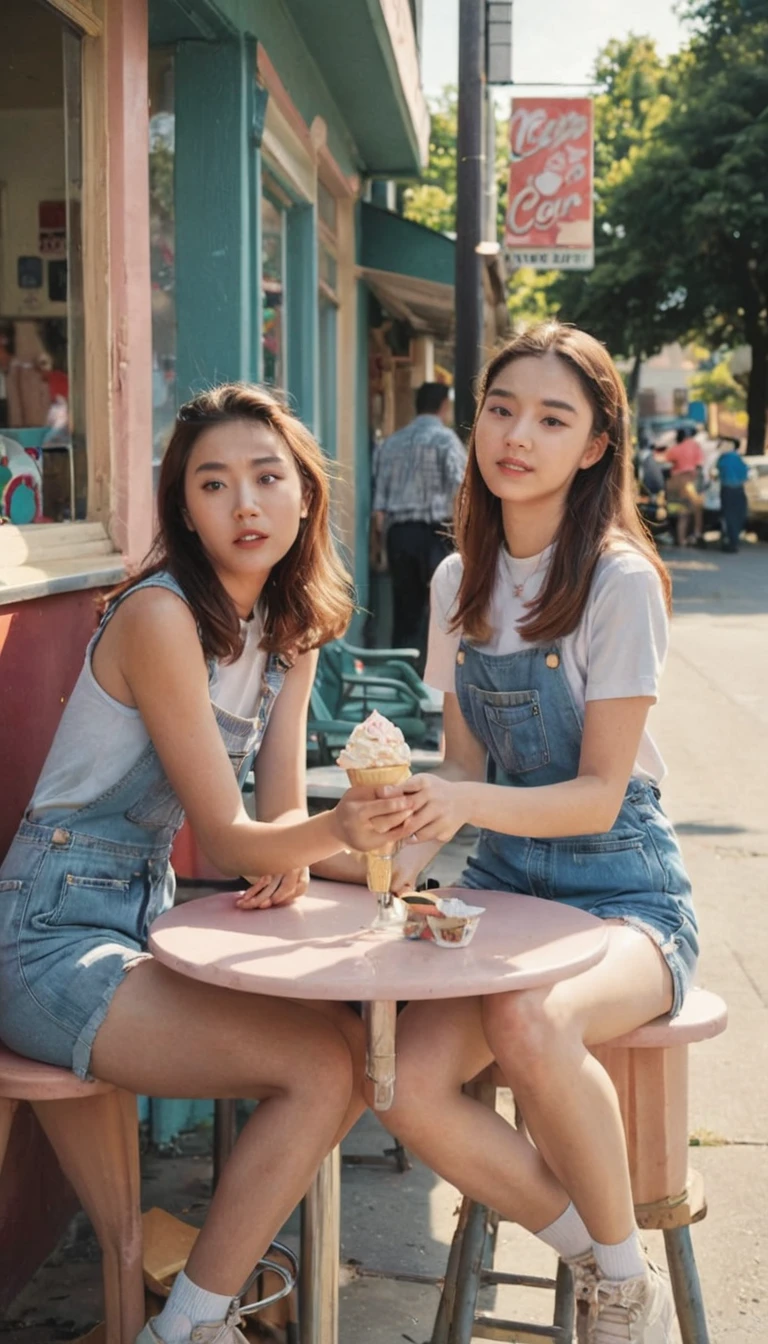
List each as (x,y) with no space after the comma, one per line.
(554,40)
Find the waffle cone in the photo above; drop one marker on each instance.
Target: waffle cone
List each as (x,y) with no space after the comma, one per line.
(379,774)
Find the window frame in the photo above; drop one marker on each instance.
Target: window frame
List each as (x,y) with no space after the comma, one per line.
(38,560)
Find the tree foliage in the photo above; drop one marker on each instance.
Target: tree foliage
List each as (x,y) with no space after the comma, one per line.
(433,200)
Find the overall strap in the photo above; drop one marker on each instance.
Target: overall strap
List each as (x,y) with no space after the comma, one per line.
(162,579)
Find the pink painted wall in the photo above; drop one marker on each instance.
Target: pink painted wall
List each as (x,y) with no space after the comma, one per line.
(42,642)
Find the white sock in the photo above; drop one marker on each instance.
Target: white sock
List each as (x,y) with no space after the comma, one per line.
(187,1307)
(567,1235)
(625,1260)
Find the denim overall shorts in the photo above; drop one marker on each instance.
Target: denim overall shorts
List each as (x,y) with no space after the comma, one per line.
(521,707)
(79,889)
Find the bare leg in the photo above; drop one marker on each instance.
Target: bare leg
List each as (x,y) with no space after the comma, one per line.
(169,1036)
(540,1038)
(441,1046)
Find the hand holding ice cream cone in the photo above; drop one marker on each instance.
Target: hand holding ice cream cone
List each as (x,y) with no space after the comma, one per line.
(377,754)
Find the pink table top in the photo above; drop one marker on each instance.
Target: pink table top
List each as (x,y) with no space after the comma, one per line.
(321,947)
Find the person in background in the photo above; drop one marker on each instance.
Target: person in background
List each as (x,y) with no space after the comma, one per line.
(733,472)
(418,471)
(686,457)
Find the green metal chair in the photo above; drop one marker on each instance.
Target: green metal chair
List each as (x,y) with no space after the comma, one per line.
(352,695)
(326,735)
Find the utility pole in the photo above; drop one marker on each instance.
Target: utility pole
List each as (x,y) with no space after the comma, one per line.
(470,198)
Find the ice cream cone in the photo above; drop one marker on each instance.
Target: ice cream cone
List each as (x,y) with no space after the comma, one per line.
(379,774)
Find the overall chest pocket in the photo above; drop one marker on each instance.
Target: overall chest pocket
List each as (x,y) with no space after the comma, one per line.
(511,725)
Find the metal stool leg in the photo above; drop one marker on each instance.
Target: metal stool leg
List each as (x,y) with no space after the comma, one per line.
(471,1263)
(565,1305)
(686,1287)
(224,1135)
(319,1267)
(448,1295)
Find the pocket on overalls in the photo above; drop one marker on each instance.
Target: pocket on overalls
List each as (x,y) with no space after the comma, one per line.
(511,723)
(663,840)
(96,903)
(613,864)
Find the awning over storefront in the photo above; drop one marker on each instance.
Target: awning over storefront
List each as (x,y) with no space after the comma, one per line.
(409,268)
(367,53)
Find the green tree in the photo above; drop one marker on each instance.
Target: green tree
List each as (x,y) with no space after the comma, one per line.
(626,300)
(683,217)
(718,385)
(432,201)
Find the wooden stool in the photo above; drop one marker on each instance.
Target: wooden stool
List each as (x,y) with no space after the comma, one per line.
(93,1129)
(649,1069)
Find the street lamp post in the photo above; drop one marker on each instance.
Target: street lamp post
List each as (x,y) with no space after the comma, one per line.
(470,196)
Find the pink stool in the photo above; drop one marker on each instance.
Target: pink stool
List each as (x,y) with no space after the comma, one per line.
(93,1129)
(649,1069)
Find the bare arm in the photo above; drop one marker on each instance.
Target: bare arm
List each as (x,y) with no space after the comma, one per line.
(160,659)
(586,805)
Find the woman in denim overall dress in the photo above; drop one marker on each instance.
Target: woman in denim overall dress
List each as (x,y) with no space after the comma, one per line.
(201,663)
(548,632)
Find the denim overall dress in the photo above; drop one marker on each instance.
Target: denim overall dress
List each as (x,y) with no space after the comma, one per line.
(521,707)
(79,888)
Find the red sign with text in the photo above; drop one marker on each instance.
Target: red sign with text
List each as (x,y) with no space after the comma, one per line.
(550,224)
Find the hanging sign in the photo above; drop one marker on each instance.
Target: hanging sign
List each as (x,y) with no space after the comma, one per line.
(549,221)
(52,228)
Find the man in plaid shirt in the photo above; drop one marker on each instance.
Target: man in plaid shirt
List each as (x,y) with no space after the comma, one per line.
(417,473)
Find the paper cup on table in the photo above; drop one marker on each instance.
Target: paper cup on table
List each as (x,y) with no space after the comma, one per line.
(456,923)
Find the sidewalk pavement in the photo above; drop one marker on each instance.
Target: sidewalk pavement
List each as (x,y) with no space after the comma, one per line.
(712,726)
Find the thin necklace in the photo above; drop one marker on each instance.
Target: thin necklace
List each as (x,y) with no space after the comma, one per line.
(519,588)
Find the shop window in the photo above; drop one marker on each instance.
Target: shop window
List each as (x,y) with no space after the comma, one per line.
(273,286)
(162,238)
(43,469)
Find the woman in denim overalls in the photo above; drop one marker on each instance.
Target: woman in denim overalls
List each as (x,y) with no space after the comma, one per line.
(548,631)
(202,663)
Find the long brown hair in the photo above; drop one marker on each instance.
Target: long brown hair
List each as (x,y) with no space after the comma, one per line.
(600,504)
(307,599)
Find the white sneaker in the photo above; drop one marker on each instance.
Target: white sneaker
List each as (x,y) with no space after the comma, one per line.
(585,1278)
(218,1332)
(633,1311)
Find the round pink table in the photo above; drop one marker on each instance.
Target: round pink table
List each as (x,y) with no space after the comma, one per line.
(322,948)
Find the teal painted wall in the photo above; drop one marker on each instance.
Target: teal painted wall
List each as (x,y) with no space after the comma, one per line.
(302,312)
(362,453)
(390,243)
(270,23)
(215,214)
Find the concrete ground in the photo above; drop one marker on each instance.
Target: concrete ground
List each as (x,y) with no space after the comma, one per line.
(712,725)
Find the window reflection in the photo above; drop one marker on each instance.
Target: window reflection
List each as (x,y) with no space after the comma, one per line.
(273,283)
(162,239)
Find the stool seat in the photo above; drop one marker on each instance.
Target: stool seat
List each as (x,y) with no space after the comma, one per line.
(702,1016)
(27,1080)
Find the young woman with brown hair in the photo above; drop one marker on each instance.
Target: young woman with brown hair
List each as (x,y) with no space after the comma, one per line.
(548,633)
(203,661)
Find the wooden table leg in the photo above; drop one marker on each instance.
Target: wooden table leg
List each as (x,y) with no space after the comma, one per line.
(380,1019)
(319,1260)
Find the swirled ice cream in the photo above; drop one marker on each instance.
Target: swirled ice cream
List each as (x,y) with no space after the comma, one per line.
(376,745)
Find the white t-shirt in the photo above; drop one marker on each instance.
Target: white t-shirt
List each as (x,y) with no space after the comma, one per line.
(617,650)
(79,768)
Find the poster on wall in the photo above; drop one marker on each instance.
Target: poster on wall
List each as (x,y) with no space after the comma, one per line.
(549,222)
(52,228)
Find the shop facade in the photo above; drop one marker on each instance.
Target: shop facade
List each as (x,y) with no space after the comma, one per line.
(181,188)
